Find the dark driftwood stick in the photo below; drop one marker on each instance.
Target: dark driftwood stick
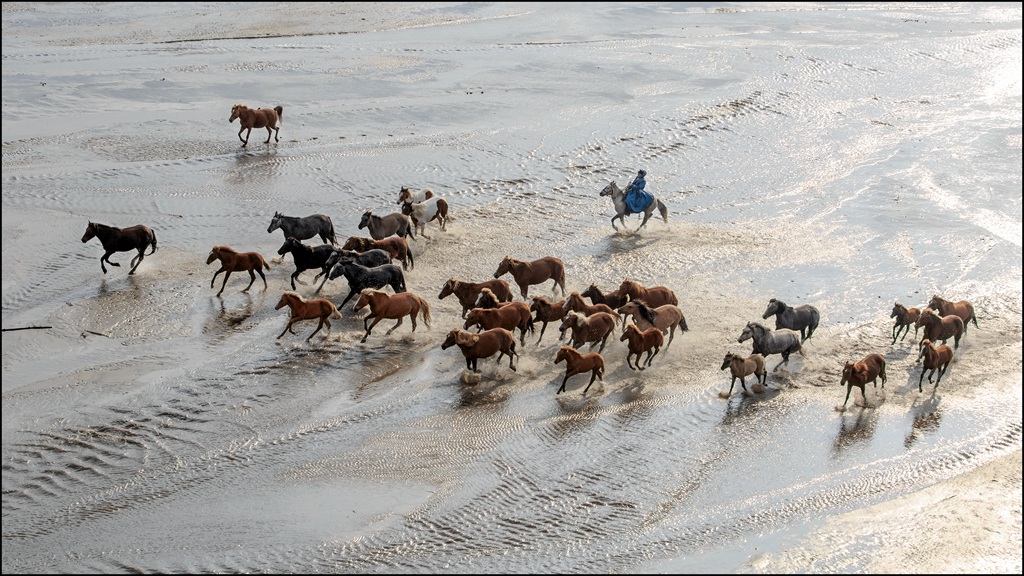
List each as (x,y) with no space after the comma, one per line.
(28,328)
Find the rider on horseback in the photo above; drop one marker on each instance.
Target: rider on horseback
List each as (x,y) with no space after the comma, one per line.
(638,199)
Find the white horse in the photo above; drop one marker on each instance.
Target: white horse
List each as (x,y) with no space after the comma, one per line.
(619,199)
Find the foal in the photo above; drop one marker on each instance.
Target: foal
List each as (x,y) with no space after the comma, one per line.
(649,341)
(302,309)
(269,118)
(233,261)
(742,367)
(905,318)
(935,358)
(577,363)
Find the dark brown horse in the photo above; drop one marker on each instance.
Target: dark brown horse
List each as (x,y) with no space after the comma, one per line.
(482,345)
(114,239)
(578,363)
(613,299)
(397,247)
(905,318)
(269,118)
(516,315)
(468,292)
(942,328)
(576,303)
(963,309)
(869,369)
(392,307)
(654,296)
(639,342)
(234,261)
(538,271)
(302,309)
(593,329)
(935,358)
(546,311)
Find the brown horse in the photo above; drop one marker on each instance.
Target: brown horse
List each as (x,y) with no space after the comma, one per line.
(641,341)
(115,239)
(545,311)
(654,296)
(578,363)
(905,318)
(393,307)
(941,327)
(613,299)
(576,303)
(963,309)
(397,247)
(869,369)
(234,261)
(538,271)
(741,367)
(302,309)
(482,345)
(468,292)
(515,315)
(488,299)
(269,118)
(935,358)
(593,329)
(666,317)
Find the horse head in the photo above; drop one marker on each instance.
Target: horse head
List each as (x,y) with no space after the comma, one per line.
(236,111)
(504,267)
(90,232)
(610,189)
(728,360)
(774,307)
(562,354)
(214,254)
(365,220)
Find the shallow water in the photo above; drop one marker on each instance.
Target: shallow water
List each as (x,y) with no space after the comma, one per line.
(845,156)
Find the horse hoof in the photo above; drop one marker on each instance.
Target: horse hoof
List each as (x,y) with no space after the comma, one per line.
(723,394)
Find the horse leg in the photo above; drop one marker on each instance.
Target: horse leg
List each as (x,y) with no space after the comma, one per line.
(651,356)
(245,141)
(321,284)
(318,327)
(351,293)
(252,280)
(593,376)
(137,260)
(370,327)
(270,132)
(286,328)
(785,360)
(619,216)
(397,324)
(262,275)
(109,261)
(512,354)
(543,326)
(647,216)
(849,388)
(223,284)
(562,388)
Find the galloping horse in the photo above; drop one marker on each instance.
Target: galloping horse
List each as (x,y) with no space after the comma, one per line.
(654,296)
(360,278)
(306,257)
(393,307)
(114,239)
(963,309)
(397,247)
(593,329)
(394,224)
(867,370)
(803,319)
(305,227)
(935,358)
(269,118)
(302,309)
(666,317)
(905,318)
(942,328)
(482,345)
(434,208)
(649,341)
(536,272)
(546,311)
(577,363)
(614,298)
(468,292)
(782,341)
(234,261)
(516,315)
(621,210)
(576,303)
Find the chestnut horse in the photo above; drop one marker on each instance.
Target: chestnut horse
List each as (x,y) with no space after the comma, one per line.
(654,296)
(397,247)
(538,271)
(935,358)
(393,307)
(115,239)
(515,315)
(963,309)
(468,292)
(302,309)
(649,341)
(741,367)
(576,303)
(482,345)
(905,318)
(869,369)
(488,299)
(593,329)
(269,118)
(943,328)
(666,317)
(234,261)
(578,363)
(545,311)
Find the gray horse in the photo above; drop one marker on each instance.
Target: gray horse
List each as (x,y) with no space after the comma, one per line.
(803,319)
(782,341)
(304,228)
(394,224)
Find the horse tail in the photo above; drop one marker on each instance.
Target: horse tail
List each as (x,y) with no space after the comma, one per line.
(529,324)
(682,324)
(264,261)
(280,113)
(412,264)
(331,235)
(663,210)
(425,309)
(335,313)
(153,238)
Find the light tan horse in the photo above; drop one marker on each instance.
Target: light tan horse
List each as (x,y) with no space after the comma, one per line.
(302,309)
(269,118)
(234,261)
(741,367)
(578,363)
(393,307)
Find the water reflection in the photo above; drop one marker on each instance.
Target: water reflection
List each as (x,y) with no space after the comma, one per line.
(855,426)
(927,418)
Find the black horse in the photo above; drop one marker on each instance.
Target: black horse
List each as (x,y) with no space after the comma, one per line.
(369,258)
(306,257)
(304,228)
(803,319)
(114,239)
(360,277)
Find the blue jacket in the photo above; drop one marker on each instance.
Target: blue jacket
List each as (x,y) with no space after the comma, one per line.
(638,199)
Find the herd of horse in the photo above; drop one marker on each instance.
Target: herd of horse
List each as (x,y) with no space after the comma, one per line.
(489,306)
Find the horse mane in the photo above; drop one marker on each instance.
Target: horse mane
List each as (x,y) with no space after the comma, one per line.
(225,249)
(293,294)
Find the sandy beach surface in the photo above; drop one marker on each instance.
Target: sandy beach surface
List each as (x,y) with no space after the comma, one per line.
(846,156)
